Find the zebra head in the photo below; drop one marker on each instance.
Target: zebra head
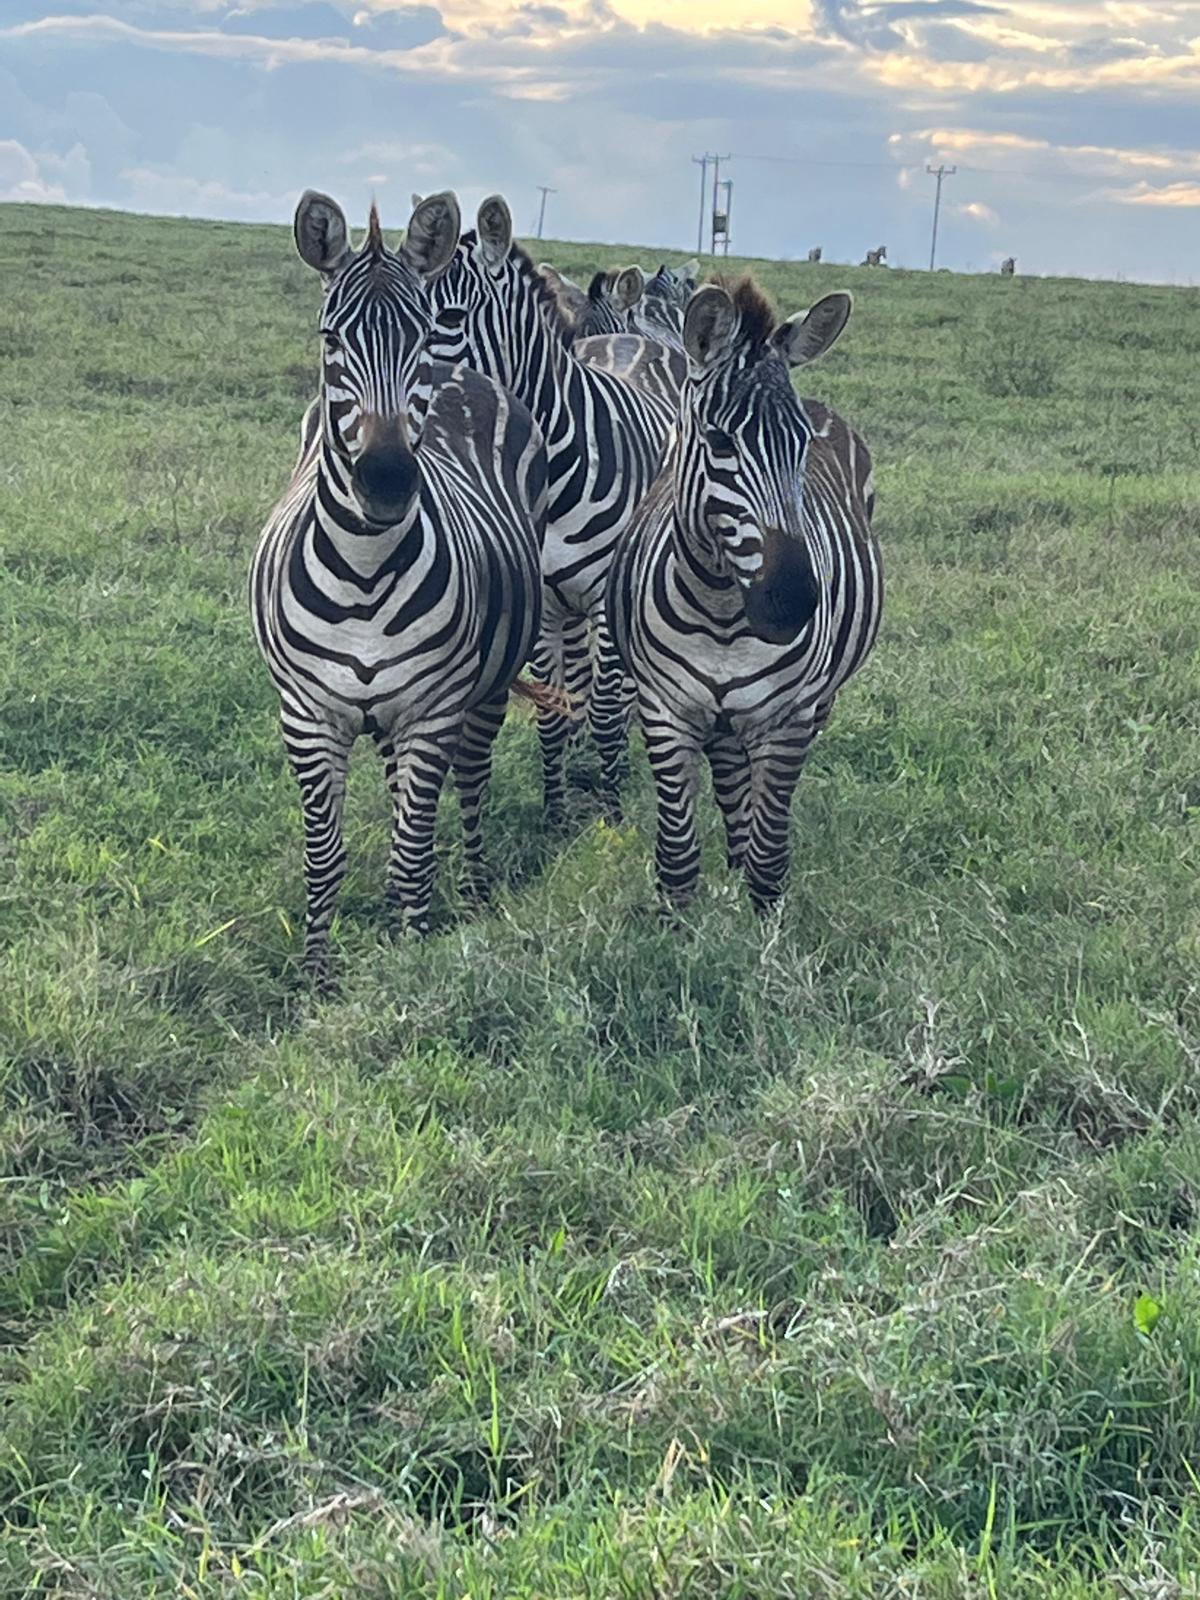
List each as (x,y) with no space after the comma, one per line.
(743,438)
(491,303)
(611,297)
(659,313)
(375,321)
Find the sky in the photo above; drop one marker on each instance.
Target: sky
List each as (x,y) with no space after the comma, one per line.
(1074,125)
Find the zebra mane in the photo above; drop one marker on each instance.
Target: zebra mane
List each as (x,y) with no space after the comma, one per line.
(560,322)
(374,240)
(756,314)
(597,286)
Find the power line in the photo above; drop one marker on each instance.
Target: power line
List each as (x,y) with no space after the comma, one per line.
(1042,176)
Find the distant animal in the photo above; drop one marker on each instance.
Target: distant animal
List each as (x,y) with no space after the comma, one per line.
(396,589)
(1008,266)
(875,258)
(815,253)
(604,438)
(748,588)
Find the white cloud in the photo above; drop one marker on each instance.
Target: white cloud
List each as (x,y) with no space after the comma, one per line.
(42,176)
(1009,149)
(978,212)
(173,194)
(1148,194)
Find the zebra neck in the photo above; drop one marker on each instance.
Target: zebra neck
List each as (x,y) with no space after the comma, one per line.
(364,547)
(542,375)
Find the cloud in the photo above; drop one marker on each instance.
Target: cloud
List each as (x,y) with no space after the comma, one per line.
(486,95)
(1019,152)
(41,177)
(172,194)
(889,24)
(1147,194)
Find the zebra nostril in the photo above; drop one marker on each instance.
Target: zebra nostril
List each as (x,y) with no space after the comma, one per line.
(783,598)
(385,479)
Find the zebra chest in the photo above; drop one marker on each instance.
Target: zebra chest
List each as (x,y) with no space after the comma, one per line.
(378,640)
(699,647)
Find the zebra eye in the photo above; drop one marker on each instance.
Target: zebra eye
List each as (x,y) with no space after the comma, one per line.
(719,441)
(452,317)
(331,343)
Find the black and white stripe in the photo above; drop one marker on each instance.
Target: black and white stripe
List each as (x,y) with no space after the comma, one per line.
(396,587)
(604,440)
(749,587)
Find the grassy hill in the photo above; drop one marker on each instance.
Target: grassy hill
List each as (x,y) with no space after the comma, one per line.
(561,1255)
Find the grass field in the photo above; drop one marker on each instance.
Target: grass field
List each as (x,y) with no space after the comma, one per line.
(560,1255)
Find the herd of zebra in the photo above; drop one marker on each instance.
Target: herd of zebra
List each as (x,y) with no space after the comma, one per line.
(618,489)
(878,258)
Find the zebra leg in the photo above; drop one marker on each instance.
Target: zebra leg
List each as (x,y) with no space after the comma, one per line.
(775,770)
(731,785)
(675,765)
(319,756)
(608,712)
(417,764)
(472,771)
(562,660)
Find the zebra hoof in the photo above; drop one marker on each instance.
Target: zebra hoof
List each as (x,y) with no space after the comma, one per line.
(403,921)
(766,905)
(318,974)
(476,892)
(611,808)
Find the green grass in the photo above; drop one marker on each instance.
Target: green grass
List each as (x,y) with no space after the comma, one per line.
(560,1255)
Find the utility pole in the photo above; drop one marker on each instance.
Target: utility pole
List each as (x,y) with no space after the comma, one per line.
(727,185)
(939,173)
(716,161)
(542,213)
(702,163)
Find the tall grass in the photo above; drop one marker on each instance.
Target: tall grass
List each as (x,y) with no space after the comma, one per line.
(560,1255)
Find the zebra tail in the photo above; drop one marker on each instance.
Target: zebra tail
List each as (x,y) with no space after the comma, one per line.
(543,696)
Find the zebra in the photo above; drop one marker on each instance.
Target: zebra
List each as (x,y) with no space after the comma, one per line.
(653,359)
(875,258)
(748,588)
(658,314)
(395,589)
(815,253)
(1008,266)
(604,307)
(604,441)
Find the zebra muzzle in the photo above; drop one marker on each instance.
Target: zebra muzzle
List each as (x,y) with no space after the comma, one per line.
(385,478)
(782,599)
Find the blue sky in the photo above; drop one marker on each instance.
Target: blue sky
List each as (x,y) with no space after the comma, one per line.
(1074,124)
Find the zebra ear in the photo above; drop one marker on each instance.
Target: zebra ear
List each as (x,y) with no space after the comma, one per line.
(416,199)
(495,229)
(432,236)
(321,234)
(629,286)
(689,272)
(709,327)
(806,336)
